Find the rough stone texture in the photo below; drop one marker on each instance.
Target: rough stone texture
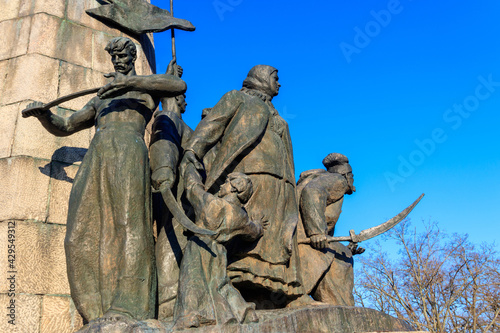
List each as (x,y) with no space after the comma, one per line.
(76,78)
(40,259)
(319,319)
(100,58)
(30,131)
(59,315)
(24,77)
(49,51)
(8,114)
(146,52)
(24,189)
(27,314)
(3,250)
(62,176)
(10,9)
(52,7)
(61,39)
(3,75)
(43,35)
(16,33)
(76,12)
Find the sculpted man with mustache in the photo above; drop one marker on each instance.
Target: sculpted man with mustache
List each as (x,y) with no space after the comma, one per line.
(109,241)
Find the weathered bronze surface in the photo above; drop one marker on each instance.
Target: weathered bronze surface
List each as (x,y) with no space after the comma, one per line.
(138,16)
(169,135)
(312,319)
(232,225)
(250,137)
(206,295)
(326,268)
(109,241)
(25,113)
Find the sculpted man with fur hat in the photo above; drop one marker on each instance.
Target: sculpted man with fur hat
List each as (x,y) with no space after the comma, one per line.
(327,267)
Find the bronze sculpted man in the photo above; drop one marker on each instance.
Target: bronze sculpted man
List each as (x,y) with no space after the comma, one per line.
(109,241)
(169,135)
(206,295)
(253,139)
(327,272)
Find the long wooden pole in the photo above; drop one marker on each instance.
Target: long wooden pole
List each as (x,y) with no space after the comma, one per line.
(174,56)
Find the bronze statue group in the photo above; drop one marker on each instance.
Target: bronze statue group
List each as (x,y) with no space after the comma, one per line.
(226,226)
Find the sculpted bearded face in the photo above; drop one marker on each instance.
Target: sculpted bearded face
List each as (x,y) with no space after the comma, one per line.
(346,170)
(123,61)
(123,54)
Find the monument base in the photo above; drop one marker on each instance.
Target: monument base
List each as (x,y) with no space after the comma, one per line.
(313,319)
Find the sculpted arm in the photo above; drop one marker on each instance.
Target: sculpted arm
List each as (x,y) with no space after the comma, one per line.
(253,230)
(317,202)
(312,206)
(64,126)
(315,199)
(210,130)
(196,193)
(164,148)
(158,85)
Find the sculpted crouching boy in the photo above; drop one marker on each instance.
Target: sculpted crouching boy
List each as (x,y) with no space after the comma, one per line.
(206,295)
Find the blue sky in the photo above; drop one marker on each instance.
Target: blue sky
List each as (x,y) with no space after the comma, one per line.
(408,90)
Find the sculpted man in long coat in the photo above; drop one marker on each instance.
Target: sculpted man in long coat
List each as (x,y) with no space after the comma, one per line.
(253,139)
(109,240)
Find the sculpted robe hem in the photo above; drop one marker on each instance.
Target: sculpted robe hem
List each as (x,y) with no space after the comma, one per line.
(109,239)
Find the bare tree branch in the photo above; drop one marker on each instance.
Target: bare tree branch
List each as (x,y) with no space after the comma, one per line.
(439,282)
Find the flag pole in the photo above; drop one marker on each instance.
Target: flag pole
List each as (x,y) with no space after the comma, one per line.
(174,57)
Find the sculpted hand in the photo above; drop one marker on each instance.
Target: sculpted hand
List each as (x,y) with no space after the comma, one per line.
(319,241)
(189,158)
(119,85)
(355,249)
(264,222)
(162,177)
(174,69)
(37,110)
(192,177)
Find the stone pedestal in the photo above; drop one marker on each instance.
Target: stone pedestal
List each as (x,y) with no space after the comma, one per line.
(50,48)
(316,319)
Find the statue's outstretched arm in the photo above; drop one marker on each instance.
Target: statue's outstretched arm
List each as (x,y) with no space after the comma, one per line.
(158,85)
(211,129)
(63,126)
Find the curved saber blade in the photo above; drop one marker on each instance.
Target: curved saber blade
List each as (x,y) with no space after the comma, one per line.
(380,229)
(372,232)
(179,214)
(63,99)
